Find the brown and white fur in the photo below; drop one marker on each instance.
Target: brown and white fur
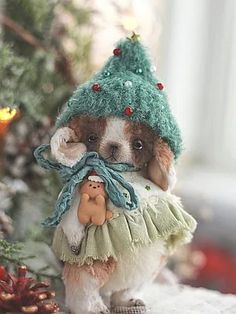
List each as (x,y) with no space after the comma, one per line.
(116,140)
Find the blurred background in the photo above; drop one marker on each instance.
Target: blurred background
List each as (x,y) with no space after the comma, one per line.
(48,47)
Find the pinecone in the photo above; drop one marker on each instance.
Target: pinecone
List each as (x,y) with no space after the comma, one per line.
(20,294)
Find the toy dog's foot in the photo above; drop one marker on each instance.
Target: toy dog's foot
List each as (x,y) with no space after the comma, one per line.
(135,302)
(102,312)
(100,308)
(123,303)
(136,309)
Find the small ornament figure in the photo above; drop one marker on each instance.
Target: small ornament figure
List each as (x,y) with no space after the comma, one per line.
(7,115)
(93,198)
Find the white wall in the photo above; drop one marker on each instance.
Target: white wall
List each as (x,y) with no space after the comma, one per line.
(197,49)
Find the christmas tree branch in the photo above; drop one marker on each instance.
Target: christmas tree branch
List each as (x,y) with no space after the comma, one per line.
(63,63)
(21,32)
(11,253)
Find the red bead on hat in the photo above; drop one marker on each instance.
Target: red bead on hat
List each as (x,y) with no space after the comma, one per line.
(96,87)
(128,111)
(159,86)
(117,52)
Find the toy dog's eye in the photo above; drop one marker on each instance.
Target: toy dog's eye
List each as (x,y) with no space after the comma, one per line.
(137,144)
(92,138)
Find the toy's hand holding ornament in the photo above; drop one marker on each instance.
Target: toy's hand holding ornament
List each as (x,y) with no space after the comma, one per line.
(114,183)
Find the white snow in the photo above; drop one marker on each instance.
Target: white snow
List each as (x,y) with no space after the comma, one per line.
(179,299)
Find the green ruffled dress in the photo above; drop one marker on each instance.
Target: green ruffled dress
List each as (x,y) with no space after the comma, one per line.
(159,218)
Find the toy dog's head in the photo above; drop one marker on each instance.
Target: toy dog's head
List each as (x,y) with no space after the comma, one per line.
(116,140)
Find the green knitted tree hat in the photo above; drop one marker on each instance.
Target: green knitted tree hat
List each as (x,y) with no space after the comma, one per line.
(126,87)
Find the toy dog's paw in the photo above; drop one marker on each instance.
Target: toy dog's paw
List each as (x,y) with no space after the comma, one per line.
(132,309)
(100,308)
(74,233)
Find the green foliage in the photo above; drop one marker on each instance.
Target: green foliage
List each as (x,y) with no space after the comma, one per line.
(44,54)
(12,69)
(12,255)
(10,252)
(41,76)
(36,16)
(33,85)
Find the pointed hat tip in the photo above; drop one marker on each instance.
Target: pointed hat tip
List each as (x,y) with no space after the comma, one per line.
(134,37)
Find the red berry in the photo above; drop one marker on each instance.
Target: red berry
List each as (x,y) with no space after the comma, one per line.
(159,86)
(2,272)
(128,111)
(117,52)
(96,87)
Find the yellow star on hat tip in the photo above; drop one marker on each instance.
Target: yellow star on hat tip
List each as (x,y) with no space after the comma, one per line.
(134,38)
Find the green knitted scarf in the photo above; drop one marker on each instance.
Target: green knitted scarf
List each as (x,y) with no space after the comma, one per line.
(115,184)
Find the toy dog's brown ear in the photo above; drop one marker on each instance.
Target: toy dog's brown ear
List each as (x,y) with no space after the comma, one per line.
(159,166)
(65,146)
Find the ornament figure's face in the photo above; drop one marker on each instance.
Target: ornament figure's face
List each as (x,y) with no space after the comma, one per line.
(93,189)
(115,139)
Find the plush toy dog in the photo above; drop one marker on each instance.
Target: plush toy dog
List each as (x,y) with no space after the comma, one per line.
(120,125)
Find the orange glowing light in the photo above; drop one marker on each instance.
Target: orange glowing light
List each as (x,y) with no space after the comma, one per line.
(7,114)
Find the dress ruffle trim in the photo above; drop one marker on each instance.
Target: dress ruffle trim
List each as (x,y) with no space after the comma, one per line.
(156,219)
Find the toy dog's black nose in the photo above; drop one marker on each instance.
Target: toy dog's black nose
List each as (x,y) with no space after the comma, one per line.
(114,147)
